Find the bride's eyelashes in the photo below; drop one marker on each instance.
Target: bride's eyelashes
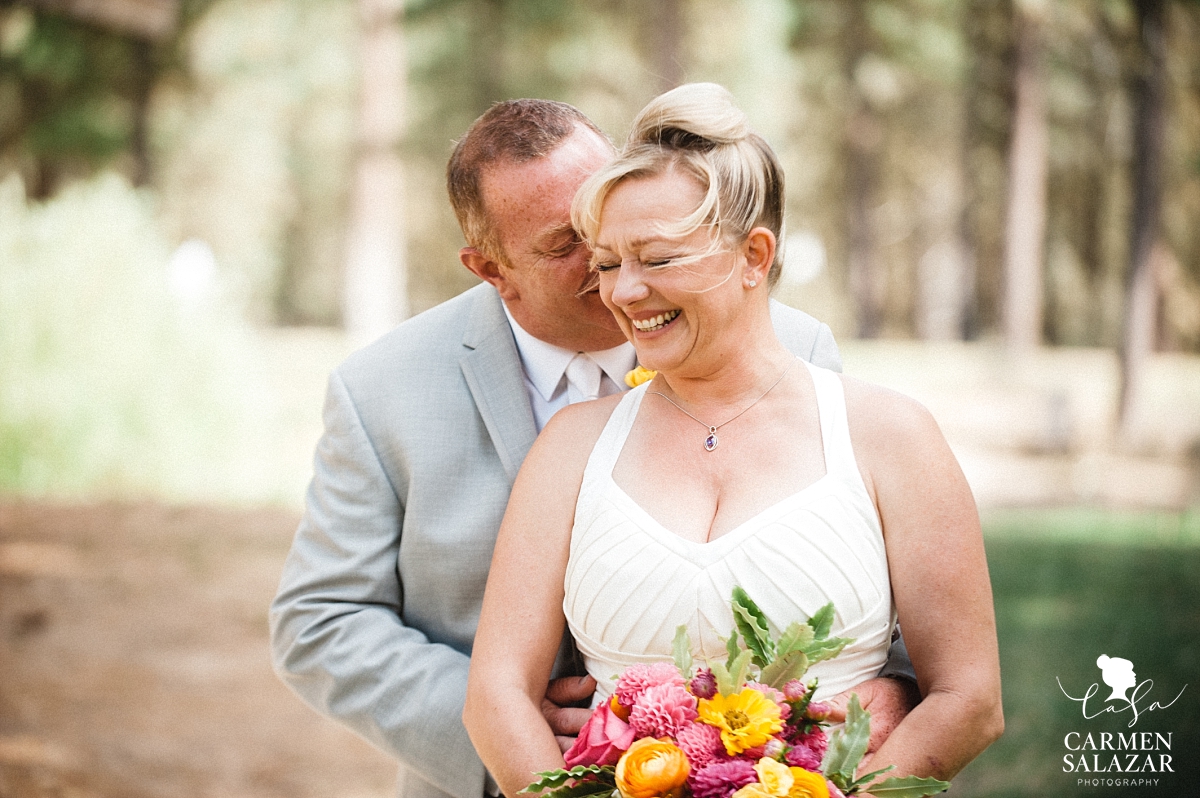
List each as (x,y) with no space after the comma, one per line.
(659,263)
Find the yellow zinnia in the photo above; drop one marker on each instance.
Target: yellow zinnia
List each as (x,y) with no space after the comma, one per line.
(746,719)
(806,784)
(636,376)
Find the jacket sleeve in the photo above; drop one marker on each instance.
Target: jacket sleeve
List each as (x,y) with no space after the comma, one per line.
(337,637)
(825,350)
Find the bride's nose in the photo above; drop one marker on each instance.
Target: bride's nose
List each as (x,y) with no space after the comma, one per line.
(629,286)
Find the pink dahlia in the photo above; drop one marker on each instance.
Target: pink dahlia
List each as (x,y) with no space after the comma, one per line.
(722,779)
(636,678)
(769,692)
(661,709)
(808,751)
(701,742)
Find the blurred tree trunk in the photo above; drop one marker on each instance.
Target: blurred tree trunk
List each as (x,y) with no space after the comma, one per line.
(1149,122)
(487,57)
(143,83)
(988,96)
(1025,220)
(864,139)
(375,288)
(664,33)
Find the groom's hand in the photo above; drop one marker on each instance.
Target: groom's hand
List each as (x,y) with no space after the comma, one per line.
(888,700)
(565,707)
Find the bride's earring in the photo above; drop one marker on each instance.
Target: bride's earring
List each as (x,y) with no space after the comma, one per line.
(753,283)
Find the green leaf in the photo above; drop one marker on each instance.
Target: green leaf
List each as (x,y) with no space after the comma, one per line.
(753,625)
(828,648)
(846,747)
(733,649)
(863,779)
(582,789)
(822,621)
(725,683)
(552,779)
(681,648)
(907,787)
(784,668)
(796,637)
(737,673)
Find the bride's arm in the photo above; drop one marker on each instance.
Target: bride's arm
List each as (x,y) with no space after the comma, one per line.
(521,623)
(940,583)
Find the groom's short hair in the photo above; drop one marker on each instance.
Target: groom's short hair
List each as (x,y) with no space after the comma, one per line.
(513,131)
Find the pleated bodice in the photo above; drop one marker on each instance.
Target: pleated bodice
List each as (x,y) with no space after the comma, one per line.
(630,581)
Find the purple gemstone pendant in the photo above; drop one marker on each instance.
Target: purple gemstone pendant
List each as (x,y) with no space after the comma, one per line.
(710,442)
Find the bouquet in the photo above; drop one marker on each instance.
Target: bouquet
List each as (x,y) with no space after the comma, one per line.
(743,728)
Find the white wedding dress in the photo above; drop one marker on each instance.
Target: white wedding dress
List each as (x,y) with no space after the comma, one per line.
(630,581)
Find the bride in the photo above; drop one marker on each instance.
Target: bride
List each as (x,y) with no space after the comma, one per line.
(736,465)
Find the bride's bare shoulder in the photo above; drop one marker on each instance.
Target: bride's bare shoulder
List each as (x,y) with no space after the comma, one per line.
(886,423)
(573,431)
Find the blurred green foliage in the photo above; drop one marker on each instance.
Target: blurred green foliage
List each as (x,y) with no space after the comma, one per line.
(110,382)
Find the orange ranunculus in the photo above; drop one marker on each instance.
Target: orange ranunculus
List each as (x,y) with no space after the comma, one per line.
(806,784)
(652,769)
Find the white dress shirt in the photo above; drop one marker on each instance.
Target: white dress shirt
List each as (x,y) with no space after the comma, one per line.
(545,365)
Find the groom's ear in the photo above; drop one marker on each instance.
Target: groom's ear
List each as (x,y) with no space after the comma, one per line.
(488,270)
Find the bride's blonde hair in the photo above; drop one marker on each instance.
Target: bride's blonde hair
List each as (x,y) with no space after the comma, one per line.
(699,130)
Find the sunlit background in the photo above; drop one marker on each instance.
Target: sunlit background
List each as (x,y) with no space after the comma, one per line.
(206,204)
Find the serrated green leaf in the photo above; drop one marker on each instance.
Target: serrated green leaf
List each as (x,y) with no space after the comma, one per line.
(737,674)
(797,636)
(846,747)
(830,647)
(583,789)
(822,621)
(784,668)
(681,649)
(551,779)
(908,787)
(732,649)
(863,779)
(753,625)
(725,683)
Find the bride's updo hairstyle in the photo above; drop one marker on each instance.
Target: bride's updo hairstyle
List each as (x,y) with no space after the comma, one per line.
(699,131)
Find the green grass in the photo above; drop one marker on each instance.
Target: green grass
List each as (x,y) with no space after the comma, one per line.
(1069,586)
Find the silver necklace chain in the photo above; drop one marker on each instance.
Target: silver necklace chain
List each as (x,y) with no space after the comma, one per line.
(710,442)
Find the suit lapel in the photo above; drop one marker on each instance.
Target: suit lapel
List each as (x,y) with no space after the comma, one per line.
(492,369)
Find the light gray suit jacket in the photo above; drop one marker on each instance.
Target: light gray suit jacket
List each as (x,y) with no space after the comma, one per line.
(424,432)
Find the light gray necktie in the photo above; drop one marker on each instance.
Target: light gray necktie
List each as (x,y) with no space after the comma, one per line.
(583,379)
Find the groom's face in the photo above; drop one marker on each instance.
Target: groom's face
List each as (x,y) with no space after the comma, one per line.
(545,265)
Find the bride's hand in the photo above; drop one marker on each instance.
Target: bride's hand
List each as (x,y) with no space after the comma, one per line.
(888,700)
(561,707)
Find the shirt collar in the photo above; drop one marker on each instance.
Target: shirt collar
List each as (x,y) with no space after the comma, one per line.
(545,363)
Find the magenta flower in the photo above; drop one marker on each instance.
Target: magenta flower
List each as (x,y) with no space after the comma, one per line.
(636,678)
(808,751)
(704,684)
(722,779)
(661,709)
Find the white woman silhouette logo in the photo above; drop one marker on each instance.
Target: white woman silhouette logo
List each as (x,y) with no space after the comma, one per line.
(1117,674)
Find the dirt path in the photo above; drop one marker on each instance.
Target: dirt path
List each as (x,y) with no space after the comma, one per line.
(133,660)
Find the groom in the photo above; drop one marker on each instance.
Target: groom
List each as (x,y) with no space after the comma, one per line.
(424,432)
